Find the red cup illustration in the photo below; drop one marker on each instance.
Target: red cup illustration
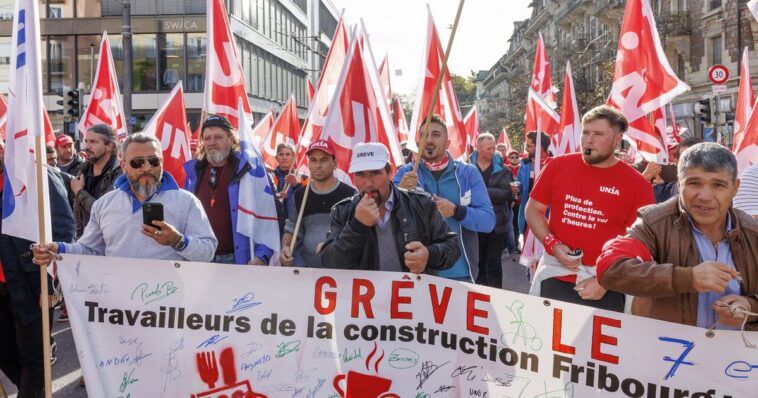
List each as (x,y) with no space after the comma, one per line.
(361,385)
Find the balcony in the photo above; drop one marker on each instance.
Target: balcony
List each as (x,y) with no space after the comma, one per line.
(610,12)
(571,11)
(674,24)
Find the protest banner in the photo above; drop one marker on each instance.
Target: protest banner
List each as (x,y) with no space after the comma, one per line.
(163,328)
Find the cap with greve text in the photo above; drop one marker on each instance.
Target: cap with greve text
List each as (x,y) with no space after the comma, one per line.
(369,156)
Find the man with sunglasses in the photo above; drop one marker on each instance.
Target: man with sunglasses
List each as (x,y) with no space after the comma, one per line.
(215,180)
(116,229)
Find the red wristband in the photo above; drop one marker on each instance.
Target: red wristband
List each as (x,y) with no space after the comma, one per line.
(549,242)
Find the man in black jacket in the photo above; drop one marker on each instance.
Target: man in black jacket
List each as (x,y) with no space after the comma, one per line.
(24,365)
(385,228)
(497,178)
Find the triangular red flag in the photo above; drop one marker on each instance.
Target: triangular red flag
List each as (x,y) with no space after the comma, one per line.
(643,80)
(745,101)
(168,125)
(673,138)
(311,91)
(319,106)
(401,126)
(503,139)
(471,121)
(224,76)
(384,78)
(3,115)
(105,106)
(747,151)
(285,129)
(49,132)
(540,103)
(358,112)
(567,140)
(447,106)
(261,130)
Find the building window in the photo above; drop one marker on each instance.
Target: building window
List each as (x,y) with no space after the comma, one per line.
(171,59)
(144,62)
(87,56)
(88,8)
(5,61)
(716,50)
(58,9)
(195,62)
(61,63)
(168,7)
(713,4)
(6,9)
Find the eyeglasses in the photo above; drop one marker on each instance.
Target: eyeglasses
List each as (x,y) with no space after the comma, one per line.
(137,163)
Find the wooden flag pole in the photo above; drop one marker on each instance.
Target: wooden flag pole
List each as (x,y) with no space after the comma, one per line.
(292,167)
(44,299)
(425,132)
(300,217)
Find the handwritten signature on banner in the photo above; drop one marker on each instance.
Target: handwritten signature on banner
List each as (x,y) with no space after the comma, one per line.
(245,302)
(147,293)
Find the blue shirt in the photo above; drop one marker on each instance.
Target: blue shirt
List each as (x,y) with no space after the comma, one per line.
(706,316)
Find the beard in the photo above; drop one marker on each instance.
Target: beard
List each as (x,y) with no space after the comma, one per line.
(215,156)
(594,156)
(145,190)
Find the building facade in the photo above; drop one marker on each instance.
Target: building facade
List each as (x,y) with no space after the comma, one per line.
(695,35)
(280,43)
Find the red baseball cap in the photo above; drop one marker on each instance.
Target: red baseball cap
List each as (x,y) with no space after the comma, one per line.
(63,140)
(321,145)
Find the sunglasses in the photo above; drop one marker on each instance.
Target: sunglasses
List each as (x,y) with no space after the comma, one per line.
(137,163)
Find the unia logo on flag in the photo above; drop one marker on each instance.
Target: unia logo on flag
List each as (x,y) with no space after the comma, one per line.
(224,78)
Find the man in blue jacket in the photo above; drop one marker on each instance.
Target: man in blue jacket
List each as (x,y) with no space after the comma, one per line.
(215,179)
(460,195)
(526,175)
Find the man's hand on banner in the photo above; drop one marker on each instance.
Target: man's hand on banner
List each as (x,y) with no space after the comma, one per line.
(256,261)
(590,289)
(724,313)
(409,181)
(367,213)
(285,257)
(446,207)
(165,234)
(416,257)
(44,254)
(560,252)
(712,276)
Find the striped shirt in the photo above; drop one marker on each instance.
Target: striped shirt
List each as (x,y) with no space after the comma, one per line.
(747,196)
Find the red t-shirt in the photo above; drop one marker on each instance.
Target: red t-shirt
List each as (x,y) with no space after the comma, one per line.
(589,205)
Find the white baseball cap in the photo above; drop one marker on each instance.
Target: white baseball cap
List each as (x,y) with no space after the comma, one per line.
(368,156)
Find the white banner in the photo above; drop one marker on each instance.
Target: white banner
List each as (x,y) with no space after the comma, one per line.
(149,328)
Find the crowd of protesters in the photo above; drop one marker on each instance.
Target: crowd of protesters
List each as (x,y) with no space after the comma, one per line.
(676,242)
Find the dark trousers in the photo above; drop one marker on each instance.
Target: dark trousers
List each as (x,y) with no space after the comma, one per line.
(564,291)
(490,266)
(9,363)
(516,233)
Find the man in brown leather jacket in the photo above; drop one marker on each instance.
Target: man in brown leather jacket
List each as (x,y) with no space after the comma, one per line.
(691,259)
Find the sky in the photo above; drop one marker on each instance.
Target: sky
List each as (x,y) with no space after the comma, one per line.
(398,28)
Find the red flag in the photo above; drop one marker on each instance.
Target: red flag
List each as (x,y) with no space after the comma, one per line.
(567,140)
(285,129)
(49,132)
(260,132)
(330,74)
(384,78)
(311,91)
(745,101)
(503,139)
(540,103)
(673,138)
(169,126)
(471,121)
(447,105)
(3,115)
(400,124)
(224,77)
(358,112)
(747,151)
(643,80)
(105,105)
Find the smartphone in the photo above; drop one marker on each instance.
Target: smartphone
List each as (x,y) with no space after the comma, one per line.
(152,212)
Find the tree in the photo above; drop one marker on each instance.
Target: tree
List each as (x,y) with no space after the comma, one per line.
(464,89)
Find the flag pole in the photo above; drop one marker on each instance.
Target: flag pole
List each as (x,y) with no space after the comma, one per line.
(300,217)
(425,132)
(44,299)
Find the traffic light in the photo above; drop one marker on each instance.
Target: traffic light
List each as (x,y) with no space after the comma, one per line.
(73,107)
(704,109)
(62,103)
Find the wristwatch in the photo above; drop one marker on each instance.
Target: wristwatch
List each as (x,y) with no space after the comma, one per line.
(181,244)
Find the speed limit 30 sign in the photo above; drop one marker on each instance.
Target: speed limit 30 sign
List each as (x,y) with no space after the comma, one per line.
(718,74)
